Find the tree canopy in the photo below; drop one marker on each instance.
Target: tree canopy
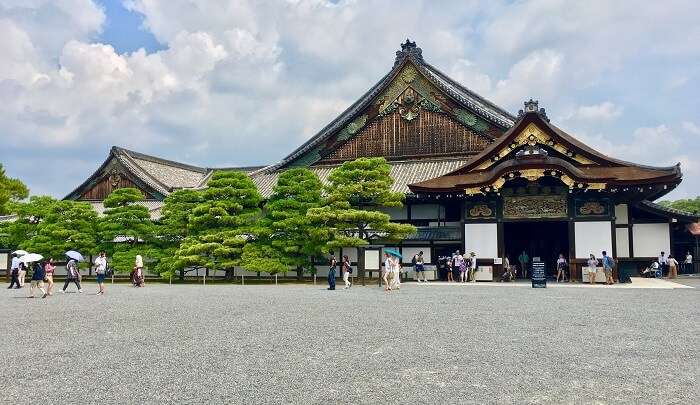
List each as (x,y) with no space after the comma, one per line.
(221,223)
(691,205)
(11,190)
(285,237)
(30,214)
(128,222)
(356,191)
(68,225)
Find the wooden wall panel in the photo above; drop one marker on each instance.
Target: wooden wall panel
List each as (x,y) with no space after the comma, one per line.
(429,134)
(104,187)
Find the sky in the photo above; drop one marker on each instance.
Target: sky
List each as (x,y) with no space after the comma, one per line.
(235,83)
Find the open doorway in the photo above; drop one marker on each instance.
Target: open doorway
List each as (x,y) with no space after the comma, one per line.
(543,239)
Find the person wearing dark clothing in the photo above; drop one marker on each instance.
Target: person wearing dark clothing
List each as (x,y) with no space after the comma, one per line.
(333,263)
(14,281)
(73,275)
(37,280)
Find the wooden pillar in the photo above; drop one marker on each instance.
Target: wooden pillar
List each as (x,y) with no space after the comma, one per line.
(572,250)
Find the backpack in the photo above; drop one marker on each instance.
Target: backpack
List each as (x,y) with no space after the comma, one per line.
(414,261)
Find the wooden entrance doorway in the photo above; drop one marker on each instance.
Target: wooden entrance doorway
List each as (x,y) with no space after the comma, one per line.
(543,239)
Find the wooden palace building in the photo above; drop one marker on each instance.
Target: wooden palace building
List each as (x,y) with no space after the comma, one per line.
(476,177)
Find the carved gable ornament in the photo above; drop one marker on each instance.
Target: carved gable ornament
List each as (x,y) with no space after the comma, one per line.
(549,206)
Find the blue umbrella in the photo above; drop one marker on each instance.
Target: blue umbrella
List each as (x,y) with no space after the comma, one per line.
(393,253)
(75,255)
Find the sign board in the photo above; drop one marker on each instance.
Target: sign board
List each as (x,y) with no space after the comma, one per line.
(539,275)
(498,260)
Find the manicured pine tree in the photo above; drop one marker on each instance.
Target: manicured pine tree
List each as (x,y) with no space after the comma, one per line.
(171,230)
(222,223)
(126,228)
(68,225)
(285,238)
(19,232)
(355,191)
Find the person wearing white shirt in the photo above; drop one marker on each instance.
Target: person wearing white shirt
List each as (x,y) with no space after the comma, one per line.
(472,267)
(14,272)
(688,263)
(663,262)
(101,271)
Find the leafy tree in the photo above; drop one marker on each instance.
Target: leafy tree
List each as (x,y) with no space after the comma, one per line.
(356,189)
(285,236)
(691,205)
(30,214)
(68,225)
(125,227)
(11,190)
(172,228)
(221,224)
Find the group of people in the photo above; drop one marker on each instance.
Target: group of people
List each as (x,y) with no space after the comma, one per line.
(667,265)
(44,271)
(593,268)
(461,268)
(345,268)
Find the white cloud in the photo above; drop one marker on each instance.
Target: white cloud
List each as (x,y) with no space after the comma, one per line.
(605,111)
(691,127)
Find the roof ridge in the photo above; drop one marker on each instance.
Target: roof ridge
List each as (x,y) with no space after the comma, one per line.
(130,161)
(155,159)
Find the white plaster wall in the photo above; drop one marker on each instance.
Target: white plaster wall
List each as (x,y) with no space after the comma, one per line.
(592,237)
(481,239)
(621,214)
(622,242)
(649,240)
(408,252)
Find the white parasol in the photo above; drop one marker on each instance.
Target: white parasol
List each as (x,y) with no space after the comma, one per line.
(31,257)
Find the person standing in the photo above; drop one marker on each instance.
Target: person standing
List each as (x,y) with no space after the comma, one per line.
(608,264)
(332,264)
(561,267)
(672,267)
(461,265)
(592,268)
(72,275)
(138,278)
(507,270)
(101,271)
(14,271)
(37,280)
(418,265)
(394,273)
(688,263)
(450,269)
(347,270)
(523,259)
(472,267)
(386,271)
(663,262)
(49,269)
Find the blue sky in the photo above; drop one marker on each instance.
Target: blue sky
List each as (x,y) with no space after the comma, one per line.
(225,83)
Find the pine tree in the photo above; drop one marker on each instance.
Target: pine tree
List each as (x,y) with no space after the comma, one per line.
(285,237)
(125,228)
(18,233)
(355,191)
(68,225)
(11,190)
(222,223)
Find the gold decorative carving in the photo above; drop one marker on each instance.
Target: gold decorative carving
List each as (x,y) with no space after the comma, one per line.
(532,135)
(549,206)
(409,74)
(592,208)
(480,210)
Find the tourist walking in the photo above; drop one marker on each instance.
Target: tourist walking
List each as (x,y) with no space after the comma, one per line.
(49,269)
(72,275)
(672,267)
(663,262)
(418,266)
(347,271)
(523,259)
(22,273)
(461,265)
(608,264)
(332,265)
(507,270)
(14,271)
(138,278)
(101,271)
(472,267)
(395,273)
(37,280)
(386,271)
(592,268)
(561,267)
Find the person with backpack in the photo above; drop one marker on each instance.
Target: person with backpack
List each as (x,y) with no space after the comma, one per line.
(347,271)
(332,264)
(608,264)
(38,280)
(72,275)
(418,266)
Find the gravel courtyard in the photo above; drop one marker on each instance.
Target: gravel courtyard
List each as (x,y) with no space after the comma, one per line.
(303,344)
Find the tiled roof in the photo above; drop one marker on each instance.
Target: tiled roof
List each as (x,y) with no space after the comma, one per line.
(403,173)
(164,175)
(153,206)
(436,233)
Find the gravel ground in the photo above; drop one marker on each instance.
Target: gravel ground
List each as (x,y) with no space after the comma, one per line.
(303,344)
